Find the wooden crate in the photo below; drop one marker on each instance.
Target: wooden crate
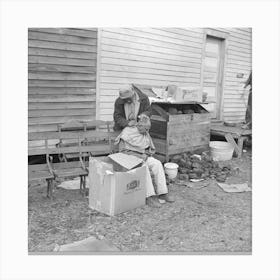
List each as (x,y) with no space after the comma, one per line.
(175,134)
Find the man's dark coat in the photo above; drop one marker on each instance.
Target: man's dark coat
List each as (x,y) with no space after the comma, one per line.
(119,114)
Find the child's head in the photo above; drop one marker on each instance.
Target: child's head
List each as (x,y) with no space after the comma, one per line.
(144,124)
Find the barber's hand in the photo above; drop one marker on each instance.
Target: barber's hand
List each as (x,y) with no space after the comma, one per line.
(132,123)
(143,116)
(149,154)
(141,129)
(145,157)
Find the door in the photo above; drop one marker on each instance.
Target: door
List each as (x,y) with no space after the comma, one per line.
(213,75)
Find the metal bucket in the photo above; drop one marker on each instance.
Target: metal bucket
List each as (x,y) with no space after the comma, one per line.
(221,150)
(171,169)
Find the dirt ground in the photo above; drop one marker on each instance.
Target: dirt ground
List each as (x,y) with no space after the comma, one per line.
(201,220)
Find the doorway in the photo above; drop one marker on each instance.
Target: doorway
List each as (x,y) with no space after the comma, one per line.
(213,72)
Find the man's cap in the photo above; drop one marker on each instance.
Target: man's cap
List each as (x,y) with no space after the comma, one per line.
(126,92)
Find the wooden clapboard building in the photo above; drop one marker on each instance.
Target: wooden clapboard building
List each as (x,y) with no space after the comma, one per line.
(61,76)
(75,73)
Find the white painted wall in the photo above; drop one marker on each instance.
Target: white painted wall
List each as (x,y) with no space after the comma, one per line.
(162,56)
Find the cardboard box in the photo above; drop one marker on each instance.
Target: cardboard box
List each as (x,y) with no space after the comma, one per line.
(123,162)
(185,94)
(189,94)
(113,192)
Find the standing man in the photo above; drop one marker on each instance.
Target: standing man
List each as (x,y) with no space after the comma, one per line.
(249,105)
(128,106)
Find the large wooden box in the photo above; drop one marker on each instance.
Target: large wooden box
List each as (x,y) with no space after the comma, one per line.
(175,134)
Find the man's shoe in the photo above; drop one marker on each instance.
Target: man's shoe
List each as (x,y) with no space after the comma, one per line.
(152,201)
(167,197)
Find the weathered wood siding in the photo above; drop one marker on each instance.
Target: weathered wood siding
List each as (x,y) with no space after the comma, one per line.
(61,76)
(151,56)
(162,56)
(238,61)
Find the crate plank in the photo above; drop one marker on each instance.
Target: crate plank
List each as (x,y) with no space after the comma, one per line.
(160,145)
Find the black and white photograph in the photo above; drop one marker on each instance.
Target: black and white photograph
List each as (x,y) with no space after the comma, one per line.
(139,140)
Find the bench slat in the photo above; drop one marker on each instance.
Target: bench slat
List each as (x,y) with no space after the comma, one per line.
(38,167)
(70,172)
(76,125)
(97,149)
(70,164)
(38,175)
(70,135)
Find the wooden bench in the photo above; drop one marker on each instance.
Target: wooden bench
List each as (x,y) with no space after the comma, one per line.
(230,134)
(76,125)
(84,143)
(42,172)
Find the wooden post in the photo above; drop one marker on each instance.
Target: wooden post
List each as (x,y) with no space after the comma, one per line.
(51,188)
(48,188)
(240,146)
(81,183)
(84,184)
